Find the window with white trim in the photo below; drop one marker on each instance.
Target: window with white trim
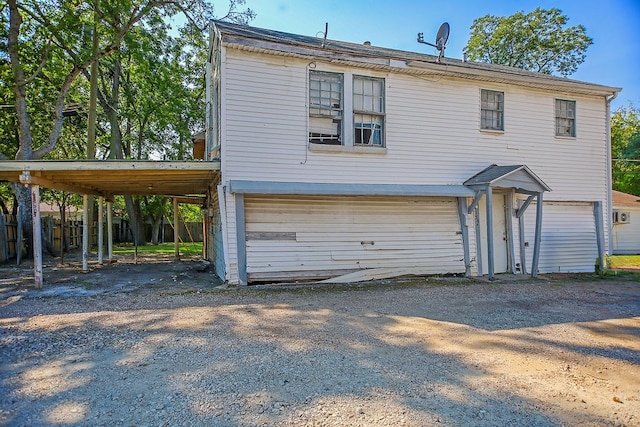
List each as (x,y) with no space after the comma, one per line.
(565,118)
(325,107)
(491,110)
(368,111)
(334,96)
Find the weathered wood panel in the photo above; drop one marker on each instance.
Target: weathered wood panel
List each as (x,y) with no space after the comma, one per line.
(344,233)
(568,237)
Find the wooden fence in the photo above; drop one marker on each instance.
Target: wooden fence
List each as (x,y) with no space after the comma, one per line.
(52,232)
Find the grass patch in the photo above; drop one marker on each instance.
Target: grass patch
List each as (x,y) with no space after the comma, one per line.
(191,248)
(624,261)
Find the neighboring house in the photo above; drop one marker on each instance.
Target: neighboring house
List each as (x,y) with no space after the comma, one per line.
(626,224)
(355,161)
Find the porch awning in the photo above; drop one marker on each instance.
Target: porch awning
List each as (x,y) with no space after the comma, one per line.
(108,178)
(519,177)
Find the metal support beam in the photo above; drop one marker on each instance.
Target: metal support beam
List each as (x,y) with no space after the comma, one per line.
(521,210)
(476,200)
(512,252)
(538,237)
(464,229)
(599,221)
(479,253)
(490,255)
(241,239)
(523,255)
(37,236)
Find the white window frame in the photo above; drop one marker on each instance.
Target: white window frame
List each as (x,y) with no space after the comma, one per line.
(347,131)
(490,108)
(369,115)
(323,91)
(564,120)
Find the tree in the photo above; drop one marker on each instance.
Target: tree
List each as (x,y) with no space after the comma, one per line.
(535,41)
(625,149)
(45,45)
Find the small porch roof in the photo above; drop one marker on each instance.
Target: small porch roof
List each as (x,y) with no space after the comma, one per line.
(519,177)
(108,178)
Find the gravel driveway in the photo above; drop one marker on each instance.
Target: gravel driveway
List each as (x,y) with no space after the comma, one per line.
(174,349)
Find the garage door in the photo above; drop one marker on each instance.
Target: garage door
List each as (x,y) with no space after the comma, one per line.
(314,237)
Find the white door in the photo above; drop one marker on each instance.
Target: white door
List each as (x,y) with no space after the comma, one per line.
(499,234)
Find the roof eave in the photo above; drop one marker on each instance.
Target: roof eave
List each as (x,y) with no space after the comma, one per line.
(448,67)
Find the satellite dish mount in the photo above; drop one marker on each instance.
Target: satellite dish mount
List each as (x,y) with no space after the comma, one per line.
(441,39)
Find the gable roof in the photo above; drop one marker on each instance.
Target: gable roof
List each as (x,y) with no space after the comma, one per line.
(625,199)
(519,177)
(365,55)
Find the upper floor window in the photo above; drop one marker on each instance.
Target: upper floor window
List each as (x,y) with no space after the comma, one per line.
(325,107)
(334,96)
(491,110)
(565,118)
(368,111)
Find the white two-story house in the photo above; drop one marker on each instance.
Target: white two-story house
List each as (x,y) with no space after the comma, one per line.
(348,161)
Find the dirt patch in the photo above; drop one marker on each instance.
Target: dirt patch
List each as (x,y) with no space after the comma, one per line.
(164,344)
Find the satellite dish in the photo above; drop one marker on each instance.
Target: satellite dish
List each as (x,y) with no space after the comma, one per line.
(441,39)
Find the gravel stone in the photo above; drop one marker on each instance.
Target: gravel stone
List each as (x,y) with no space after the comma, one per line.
(141,351)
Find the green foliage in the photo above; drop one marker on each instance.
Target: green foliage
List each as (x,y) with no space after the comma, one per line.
(624,261)
(625,149)
(535,41)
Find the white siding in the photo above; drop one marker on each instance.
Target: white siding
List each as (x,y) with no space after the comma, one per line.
(317,236)
(568,237)
(432,137)
(432,131)
(626,237)
(216,236)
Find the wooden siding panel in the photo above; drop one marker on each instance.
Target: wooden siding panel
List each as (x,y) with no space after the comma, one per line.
(568,238)
(432,137)
(344,233)
(432,132)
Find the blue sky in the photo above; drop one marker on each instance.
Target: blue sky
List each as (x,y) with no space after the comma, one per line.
(614,26)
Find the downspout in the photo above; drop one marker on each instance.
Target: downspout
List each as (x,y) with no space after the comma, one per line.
(609,173)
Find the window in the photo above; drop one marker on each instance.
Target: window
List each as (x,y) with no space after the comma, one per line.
(334,95)
(565,118)
(368,111)
(325,107)
(491,110)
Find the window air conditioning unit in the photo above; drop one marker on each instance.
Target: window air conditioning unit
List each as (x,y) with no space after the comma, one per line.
(620,217)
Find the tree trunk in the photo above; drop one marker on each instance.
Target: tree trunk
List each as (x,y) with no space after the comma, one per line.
(116,152)
(155,229)
(136,223)
(23,196)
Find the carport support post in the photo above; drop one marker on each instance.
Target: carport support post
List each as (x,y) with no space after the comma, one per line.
(464,231)
(85,232)
(489,207)
(176,229)
(37,235)
(110,230)
(538,237)
(100,229)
